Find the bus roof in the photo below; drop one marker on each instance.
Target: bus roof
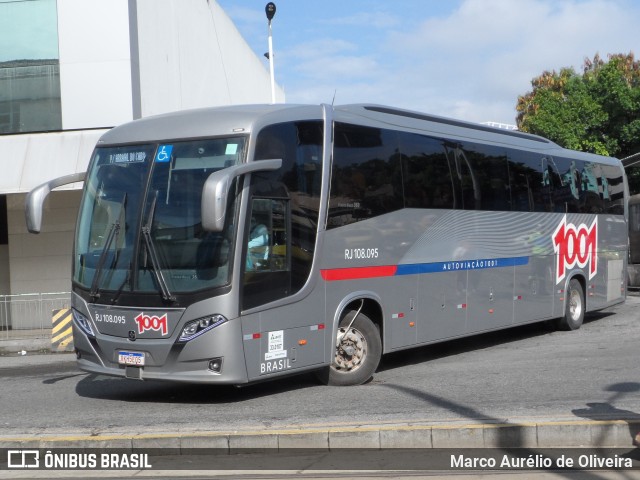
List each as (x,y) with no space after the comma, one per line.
(206,122)
(243,119)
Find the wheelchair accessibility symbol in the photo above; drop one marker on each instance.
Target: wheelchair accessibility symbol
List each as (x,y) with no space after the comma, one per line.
(164,153)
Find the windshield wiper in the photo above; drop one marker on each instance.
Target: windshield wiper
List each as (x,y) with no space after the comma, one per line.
(114,231)
(153,254)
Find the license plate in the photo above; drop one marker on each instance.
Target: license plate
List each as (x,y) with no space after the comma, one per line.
(131,358)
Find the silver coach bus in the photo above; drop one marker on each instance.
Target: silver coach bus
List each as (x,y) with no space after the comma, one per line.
(634,241)
(231,245)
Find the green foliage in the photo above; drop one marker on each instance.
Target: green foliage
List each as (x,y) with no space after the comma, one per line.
(597,111)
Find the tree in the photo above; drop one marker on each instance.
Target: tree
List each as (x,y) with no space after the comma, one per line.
(596,111)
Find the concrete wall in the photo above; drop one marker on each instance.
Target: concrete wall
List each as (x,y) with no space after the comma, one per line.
(193,57)
(42,263)
(126,59)
(36,158)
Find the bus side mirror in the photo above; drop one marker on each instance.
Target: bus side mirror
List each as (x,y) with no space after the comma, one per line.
(37,196)
(215,191)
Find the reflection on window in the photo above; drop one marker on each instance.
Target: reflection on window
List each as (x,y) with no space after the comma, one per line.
(29,67)
(366,177)
(377,171)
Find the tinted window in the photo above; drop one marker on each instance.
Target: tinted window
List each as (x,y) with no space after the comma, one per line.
(366,175)
(590,188)
(554,189)
(612,189)
(426,172)
(377,171)
(489,177)
(527,192)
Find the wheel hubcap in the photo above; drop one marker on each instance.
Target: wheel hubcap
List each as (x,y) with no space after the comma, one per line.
(575,305)
(351,351)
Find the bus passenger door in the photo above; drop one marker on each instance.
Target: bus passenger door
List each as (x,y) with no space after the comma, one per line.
(267,265)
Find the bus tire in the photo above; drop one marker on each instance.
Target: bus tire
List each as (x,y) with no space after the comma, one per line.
(358,354)
(574,307)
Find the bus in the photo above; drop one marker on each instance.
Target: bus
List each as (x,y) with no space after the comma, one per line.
(237,244)
(634,241)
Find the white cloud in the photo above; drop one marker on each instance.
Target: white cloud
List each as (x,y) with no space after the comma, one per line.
(470,64)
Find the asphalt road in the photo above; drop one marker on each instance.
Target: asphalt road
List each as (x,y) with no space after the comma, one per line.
(527,373)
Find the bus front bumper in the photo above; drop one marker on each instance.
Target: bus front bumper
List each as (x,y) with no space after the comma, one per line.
(216,356)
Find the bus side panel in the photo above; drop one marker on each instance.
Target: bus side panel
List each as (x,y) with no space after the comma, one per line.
(490,299)
(283,339)
(442,305)
(399,298)
(608,285)
(534,289)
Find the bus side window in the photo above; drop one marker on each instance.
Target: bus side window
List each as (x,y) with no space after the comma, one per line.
(527,189)
(613,184)
(553,186)
(590,175)
(366,176)
(428,180)
(490,174)
(467,188)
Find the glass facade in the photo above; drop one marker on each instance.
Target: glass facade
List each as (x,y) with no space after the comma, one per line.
(29,67)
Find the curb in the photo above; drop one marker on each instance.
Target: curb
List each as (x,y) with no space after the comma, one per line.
(31,345)
(612,433)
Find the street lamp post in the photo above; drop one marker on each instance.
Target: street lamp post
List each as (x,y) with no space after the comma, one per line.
(270,10)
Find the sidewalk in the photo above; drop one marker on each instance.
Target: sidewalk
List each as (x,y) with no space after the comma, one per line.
(436,432)
(31,341)
(538,432)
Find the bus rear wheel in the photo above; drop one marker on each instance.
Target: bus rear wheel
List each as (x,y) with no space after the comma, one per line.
(574,307)
(357,352)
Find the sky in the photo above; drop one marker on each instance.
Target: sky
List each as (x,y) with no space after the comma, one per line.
(465,59)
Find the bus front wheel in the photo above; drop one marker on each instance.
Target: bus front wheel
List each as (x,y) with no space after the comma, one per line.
(574,307)
(357,352)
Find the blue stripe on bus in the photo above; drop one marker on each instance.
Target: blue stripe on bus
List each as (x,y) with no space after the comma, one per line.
(456,266)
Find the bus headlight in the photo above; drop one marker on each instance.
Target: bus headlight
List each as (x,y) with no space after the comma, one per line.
(195,328)
(82,322)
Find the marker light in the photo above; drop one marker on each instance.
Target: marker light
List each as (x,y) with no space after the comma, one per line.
(197,327)
(82,322)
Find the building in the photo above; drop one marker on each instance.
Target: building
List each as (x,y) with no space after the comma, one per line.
(70,70)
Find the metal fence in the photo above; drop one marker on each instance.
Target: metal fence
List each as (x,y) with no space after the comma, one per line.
(29,315)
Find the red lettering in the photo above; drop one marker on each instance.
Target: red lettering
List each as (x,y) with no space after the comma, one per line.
(146,322)
(575,246)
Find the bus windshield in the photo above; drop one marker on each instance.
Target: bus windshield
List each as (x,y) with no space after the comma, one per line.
(161,247)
